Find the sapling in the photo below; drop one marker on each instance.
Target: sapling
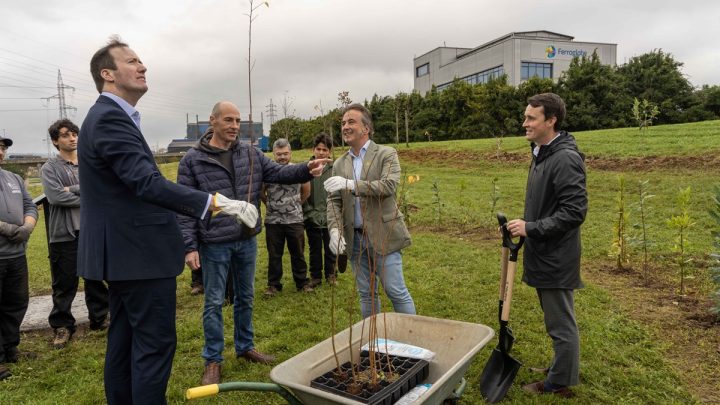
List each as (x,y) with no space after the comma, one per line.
(620,237)
(642,226)
(681,224)
(644,112)
(494,198)
(403,194)
(437,202)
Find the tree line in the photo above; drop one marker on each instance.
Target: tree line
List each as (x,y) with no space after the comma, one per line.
(598,96)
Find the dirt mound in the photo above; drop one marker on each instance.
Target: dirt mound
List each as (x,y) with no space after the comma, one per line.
(468,159)
(460,159)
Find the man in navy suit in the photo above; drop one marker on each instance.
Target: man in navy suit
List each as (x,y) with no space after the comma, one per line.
(129,236)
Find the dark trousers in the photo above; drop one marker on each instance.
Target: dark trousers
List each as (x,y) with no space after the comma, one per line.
(275,236)
(559,313)
(63,268)
(319,243)
(14,298)
(141,341)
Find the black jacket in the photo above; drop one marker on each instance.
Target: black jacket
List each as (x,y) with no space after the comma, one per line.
(555,207)
(201,170)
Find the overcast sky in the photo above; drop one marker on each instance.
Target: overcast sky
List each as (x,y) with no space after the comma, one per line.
(305,51)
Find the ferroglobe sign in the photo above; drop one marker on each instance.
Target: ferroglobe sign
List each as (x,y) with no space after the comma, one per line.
(551,52)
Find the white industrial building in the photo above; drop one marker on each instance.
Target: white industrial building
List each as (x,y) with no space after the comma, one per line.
(519,55)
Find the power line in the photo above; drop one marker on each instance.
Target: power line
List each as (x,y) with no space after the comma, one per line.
(38,109)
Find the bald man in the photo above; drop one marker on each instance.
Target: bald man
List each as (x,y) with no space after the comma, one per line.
(219,162)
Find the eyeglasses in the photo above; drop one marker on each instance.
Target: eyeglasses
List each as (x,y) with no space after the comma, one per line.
(3,148)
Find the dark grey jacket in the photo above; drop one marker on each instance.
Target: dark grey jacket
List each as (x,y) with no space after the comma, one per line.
(200,169)
(555,207)
(56,174)
(15,205)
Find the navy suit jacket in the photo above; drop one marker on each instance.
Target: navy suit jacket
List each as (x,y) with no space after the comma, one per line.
(127,208)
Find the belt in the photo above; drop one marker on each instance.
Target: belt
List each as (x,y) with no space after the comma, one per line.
(358,230)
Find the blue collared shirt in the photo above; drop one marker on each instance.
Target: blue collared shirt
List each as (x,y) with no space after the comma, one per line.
(357,161)
(129,109)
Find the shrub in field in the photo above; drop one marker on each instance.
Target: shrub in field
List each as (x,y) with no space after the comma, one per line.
(715,268)
(620,236)
(20,170)
(640,239)
(680,222)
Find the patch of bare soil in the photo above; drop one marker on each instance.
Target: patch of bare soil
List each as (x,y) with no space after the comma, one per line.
(648,163)
(468,159)
(684,324)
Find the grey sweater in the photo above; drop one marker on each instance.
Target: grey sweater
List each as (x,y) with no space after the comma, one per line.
(15,205)
(64,219)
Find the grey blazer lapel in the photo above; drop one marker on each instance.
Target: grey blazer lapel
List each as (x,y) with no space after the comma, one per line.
(369,162)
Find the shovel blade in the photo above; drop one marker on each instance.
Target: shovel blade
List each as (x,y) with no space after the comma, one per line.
(498,375)
(506,339)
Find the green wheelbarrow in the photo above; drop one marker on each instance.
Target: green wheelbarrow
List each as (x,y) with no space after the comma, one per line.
(455,344)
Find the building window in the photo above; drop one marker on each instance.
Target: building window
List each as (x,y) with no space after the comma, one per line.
(422,70)
(487,75)
(530,69)
(478,78)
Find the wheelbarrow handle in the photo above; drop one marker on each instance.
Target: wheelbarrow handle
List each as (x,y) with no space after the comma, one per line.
(202,391)
(212,389)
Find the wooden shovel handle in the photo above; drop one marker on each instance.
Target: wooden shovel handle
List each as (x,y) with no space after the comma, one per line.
(505,256)
(507,299)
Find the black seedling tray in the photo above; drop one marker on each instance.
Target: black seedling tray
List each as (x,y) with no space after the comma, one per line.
(411,372)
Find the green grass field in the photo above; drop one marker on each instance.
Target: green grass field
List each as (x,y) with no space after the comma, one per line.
(452,272)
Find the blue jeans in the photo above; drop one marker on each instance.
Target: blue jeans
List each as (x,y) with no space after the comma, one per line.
(216,260)
(389,268)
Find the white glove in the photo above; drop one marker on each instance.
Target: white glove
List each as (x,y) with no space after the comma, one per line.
(336,183)
(243,211)
(337,242)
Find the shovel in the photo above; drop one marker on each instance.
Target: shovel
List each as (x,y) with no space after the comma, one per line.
(501,369)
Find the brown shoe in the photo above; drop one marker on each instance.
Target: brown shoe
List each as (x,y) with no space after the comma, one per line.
(257,357)
(62,337)
(315,282)
(306,288)
(271,292)
(197,290)
(4,372)
(538,387)
(212,374)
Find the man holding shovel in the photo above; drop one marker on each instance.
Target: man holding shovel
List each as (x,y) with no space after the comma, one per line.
(555,207)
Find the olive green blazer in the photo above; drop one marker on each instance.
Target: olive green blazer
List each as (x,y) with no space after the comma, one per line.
(383,223)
